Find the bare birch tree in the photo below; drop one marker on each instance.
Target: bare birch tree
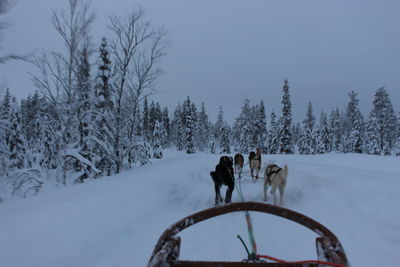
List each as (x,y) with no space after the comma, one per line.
(58,71)
(137,49)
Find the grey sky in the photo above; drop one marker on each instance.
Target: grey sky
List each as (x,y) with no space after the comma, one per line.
(223,51)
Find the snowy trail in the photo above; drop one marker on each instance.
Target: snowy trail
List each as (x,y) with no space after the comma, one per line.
(116,221)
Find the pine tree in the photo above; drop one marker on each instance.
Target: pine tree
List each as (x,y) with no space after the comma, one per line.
(41,136)
(244,145)
(177,128)
(5,111)
(260,127)
(166,124)
(286,142)
(155,114)
(84,108)
(189,126)
(373,144)
(146,119)
(202,133)
(353,126)
(5,125)
(103,87)
(397,145)
(242,129)
(335,130)
(324,142)
(30,113)
(386,120)
(218,127)
(222,133)
(157,140)
(16,141)
(104,130)
(296,131)
(307,143)
(273,135)
(152,120)
(225,140)
(51,146)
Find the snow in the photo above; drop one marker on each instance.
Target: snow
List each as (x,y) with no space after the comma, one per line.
(116,221)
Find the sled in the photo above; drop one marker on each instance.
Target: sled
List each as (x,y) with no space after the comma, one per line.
(329,249)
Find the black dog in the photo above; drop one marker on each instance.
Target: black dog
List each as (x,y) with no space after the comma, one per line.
(223,174)
(227,162)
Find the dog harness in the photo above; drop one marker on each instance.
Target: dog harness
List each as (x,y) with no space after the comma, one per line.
(271,170)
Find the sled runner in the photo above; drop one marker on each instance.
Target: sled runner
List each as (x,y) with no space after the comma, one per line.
(329,250)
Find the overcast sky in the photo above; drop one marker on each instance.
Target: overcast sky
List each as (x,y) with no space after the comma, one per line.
(223,51)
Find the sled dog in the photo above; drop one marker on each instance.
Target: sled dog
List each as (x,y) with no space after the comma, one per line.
(276,177)
(239,162)
(255,163)
(223,175)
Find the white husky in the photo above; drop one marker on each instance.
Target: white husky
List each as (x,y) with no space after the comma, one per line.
(277,178)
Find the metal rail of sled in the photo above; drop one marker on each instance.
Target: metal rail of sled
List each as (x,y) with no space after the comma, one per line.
(167,250)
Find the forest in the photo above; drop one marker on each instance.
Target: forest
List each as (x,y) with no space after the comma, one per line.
(93,115)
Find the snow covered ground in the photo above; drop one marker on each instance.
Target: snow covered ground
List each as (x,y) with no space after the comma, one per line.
(116,221)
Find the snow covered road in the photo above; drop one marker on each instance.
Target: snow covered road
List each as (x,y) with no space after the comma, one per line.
(116,221)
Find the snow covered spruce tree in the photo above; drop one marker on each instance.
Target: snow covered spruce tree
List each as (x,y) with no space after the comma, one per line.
(157,140)
(103,79)
(155,114)
(285,142)
(307,144)
(397,145)
(335,130)
(225,139)
(167,127)
(16,140)
(42,139)
(218,128)
(382,124)
(323,141)
(203,130)
(5,125)
(273,135)
(12,143)
(189,122)
(146,119)
(354,126)
(242,129)
(84,110)
(222,133)
(30,111)
(260,127)
(103,114)
(373,140)
(296,133)
(177,128)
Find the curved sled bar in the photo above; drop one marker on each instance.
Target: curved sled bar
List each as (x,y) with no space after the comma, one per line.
(167,249)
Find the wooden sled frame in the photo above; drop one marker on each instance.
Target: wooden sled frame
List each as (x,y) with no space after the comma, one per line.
(167,249)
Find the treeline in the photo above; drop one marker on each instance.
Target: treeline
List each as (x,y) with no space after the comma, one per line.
(346,131)
(80,137)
